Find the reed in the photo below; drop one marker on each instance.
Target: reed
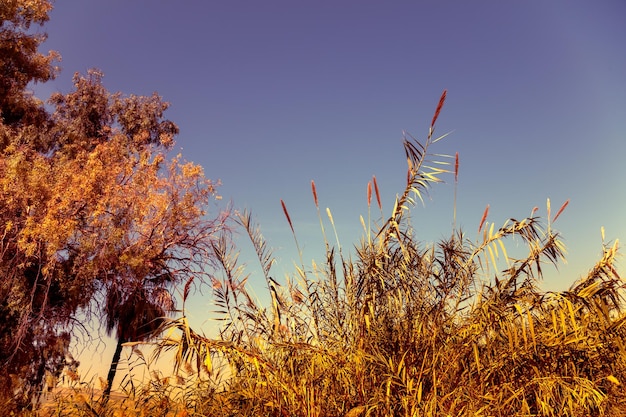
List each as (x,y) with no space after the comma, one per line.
(456,327)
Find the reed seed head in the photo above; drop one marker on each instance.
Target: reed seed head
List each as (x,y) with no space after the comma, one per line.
(330,216)
(314,193)
(439,106)
(558,213)
(187,287)
(380,206)
(282,203)
(482,220)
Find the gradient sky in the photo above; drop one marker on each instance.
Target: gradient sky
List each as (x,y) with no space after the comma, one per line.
(270,95)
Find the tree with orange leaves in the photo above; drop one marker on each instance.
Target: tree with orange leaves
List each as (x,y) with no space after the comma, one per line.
(95,219)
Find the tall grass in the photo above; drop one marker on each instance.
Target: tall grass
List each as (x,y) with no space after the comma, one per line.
(405,328)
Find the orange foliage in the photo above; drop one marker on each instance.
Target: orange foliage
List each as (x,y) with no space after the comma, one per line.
(93,212)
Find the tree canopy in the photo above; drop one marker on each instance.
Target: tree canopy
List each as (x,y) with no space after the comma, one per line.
(93,210)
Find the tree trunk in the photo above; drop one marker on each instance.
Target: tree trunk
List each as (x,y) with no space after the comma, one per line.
(113,369)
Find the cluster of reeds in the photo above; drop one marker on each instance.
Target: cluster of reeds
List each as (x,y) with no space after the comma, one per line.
(406,328)
(145,391)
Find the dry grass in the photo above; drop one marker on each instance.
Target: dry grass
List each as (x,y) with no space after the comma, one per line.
(453,328)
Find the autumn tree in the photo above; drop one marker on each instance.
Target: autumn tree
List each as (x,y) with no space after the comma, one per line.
(94,215)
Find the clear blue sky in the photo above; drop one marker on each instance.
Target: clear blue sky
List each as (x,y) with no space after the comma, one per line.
(272,94)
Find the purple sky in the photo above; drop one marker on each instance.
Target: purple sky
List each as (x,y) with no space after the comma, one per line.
(272,94)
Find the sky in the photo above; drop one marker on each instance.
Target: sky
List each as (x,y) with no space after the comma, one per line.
(270,95)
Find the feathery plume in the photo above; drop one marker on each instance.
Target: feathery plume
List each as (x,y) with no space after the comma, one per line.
(482,220)
(314,193)
(282,203)
(380,206)
(439,106)
(187,288)
(558,213)
(330,216)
